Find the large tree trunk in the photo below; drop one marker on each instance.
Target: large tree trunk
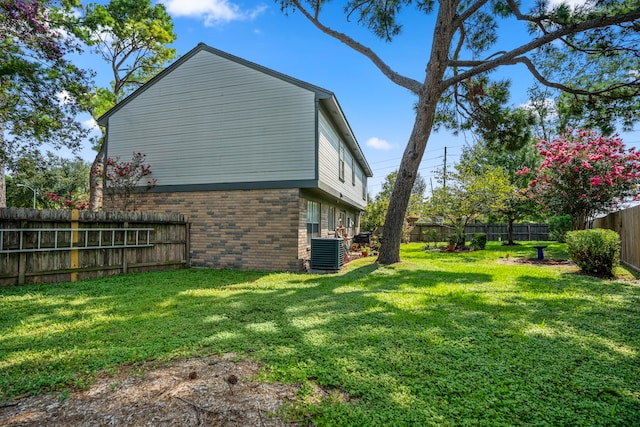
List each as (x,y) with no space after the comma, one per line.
(3,184)
(95,179)
(394,220)
(425,115)
(510,222)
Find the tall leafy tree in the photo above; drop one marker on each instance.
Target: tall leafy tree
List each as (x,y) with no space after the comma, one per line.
(482,157)
(133,36)
(41,91)
(47,175)
(565,50)
(468,195)
(375,211)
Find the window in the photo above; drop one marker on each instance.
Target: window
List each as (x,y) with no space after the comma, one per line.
(331,219)
(342,224)
(364,187)
(313,220)
(353,173)
(341,163)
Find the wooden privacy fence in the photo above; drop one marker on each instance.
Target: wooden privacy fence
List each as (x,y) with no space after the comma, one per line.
(44,246)
(627,224)
(495,232)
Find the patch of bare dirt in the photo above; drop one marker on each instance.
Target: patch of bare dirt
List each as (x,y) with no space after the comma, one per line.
(192,392)
(535,261)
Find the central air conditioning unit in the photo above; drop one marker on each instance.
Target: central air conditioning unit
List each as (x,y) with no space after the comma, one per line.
(327,254)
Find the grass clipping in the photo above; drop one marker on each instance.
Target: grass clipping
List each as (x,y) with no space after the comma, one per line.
(193,392)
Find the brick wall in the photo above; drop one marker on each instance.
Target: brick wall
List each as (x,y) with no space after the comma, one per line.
(243,229)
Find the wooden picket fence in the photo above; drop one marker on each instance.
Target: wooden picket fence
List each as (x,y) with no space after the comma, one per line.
(45,246)
(627,224)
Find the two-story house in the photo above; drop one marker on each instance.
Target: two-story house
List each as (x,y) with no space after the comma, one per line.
(260,162)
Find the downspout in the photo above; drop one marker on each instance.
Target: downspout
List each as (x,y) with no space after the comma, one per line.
(317,141)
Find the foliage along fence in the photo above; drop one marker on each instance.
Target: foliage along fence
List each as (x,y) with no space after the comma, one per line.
(46,246)
(627,224)
(494,232)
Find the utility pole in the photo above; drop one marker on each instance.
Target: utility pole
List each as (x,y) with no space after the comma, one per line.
(444,169)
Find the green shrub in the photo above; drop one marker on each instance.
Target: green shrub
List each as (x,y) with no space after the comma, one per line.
(558,227)
(479,241)
(431,236)
(595,251)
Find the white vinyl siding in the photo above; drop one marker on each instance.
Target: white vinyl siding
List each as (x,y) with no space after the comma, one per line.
(212,120)
(330,161)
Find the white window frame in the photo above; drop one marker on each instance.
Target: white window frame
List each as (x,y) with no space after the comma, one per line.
(313,220)
(341,165)
(331,218)
(353,172)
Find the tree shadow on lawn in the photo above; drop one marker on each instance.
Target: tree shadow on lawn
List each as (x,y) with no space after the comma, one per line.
(411,352)
(76,329)
(413,347)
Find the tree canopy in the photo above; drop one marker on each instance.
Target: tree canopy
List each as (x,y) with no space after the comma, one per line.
(469,194)
(41,91)
(376,209)
(483,157)
(567,50)
(132,36)
(50,176)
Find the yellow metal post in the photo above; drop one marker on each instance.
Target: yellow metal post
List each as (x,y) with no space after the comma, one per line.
(74,243)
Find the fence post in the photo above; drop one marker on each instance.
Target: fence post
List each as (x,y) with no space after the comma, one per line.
(74,244)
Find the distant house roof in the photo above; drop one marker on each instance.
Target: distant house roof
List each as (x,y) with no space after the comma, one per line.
(326,97)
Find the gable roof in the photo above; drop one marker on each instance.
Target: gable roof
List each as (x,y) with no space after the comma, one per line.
(326,97)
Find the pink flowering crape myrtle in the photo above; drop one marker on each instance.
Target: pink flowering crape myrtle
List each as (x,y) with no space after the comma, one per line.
(583,174)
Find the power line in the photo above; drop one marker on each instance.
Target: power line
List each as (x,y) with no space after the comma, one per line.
(400,158)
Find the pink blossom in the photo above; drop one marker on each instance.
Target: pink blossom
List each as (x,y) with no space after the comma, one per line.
(595,181)
(576,162)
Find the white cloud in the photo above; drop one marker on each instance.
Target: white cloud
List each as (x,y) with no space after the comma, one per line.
(90,124)
(212,12)
(571,3)
(548,104)
(379,144)
(64,97)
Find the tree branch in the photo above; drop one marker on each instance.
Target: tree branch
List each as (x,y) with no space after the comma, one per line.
(528,18)
(479,67)
(406,82)
(536,74)
(470,11)
(532,69)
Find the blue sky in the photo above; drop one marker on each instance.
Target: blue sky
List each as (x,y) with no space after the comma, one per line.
(379,112)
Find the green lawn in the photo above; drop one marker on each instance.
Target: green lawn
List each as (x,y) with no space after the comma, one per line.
(441,339)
